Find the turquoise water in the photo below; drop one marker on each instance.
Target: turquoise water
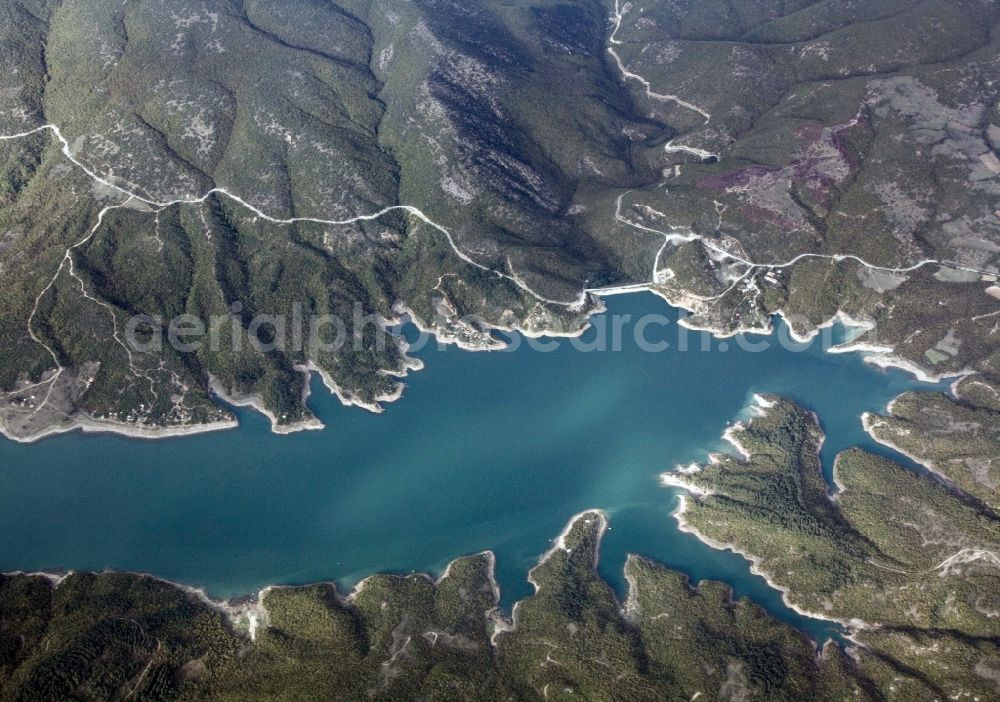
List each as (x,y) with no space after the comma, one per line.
(486,451)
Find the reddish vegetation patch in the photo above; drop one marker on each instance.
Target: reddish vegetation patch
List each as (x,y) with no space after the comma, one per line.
(753,214)
(821,162)
(839,140)
(739,178)
(809,133)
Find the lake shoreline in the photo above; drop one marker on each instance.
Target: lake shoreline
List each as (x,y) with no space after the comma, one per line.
(880,356)
(490,475)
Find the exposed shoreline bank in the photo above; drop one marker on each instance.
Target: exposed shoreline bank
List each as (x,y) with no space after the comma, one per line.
(85,424)
(852,625)
(248,613)
(880,356)
(675,479)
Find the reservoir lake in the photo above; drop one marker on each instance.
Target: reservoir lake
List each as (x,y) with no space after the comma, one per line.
(484,451)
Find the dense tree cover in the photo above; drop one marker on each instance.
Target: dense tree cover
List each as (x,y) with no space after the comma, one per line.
(121,636)
(957,435)
(885,548)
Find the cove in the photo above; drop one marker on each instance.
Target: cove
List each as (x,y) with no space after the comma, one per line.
(485,451)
